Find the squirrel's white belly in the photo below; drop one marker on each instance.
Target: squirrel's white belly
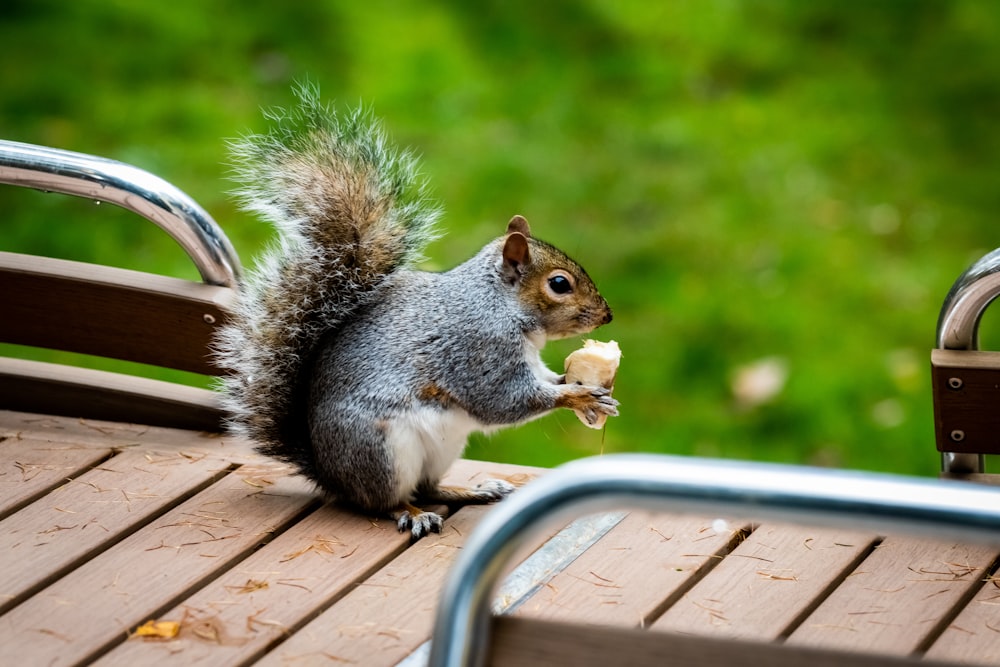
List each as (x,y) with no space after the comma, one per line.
(425,442)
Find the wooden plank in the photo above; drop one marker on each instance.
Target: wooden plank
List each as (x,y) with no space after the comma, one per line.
(92,608)
(391,613)
(991,479)
(77,520)
(271,593)
(519,641)
(606,586)
(768,584)
(283,585)
(34,386)
(966,389)
(97,433)
(110,312)
(974,636)
(897,599)
(30,468)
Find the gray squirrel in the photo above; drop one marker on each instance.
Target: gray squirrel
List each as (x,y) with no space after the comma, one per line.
(365,373)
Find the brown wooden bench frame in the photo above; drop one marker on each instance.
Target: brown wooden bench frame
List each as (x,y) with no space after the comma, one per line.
(112,312)
(115,313)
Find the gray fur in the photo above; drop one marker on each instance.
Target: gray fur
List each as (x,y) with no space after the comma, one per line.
(342,353)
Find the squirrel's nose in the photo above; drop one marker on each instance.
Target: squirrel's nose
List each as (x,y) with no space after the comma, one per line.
(608,315)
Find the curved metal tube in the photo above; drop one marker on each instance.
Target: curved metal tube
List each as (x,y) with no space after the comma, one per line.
(101,179)
(958,329)
(958,323)
(804,495)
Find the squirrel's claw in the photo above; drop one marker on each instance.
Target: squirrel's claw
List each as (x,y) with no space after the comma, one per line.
(603,405)
(418,522)
(591,403)
(607,405)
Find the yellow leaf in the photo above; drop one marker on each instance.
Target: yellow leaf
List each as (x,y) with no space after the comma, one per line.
(158,629)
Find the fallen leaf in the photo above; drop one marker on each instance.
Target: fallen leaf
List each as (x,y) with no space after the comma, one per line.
(158,630)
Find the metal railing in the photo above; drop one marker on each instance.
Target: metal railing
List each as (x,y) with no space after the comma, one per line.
(765,491)
(101,179)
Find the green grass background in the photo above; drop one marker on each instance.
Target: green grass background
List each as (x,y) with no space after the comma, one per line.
(746,180)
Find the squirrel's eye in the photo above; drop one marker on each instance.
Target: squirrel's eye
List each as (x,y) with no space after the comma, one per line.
(560,284)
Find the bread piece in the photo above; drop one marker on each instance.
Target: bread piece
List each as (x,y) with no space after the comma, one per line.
(595,364)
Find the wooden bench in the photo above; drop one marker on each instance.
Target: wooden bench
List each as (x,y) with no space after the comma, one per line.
(105,526)
(132,531)
(112,312)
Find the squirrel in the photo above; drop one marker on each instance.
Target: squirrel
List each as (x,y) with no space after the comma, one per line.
(365,373)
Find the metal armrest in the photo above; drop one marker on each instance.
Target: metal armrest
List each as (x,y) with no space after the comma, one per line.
(958,329)
(101,179)
(806,495)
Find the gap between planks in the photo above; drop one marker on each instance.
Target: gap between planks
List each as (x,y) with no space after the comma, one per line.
(88,515)
(23,481)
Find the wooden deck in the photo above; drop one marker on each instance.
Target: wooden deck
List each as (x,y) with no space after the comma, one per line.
(108,526)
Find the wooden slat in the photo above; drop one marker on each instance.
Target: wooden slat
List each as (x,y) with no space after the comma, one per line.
(991,479)
(974,636)
(272,592)
(92,608)
(282,586)
(77,520)
(109,312)
(768,584)
(966,389)
(390,614)
(634,572)
(334,585)
(33,386)
(29,468)
(76,432)
(897,597)
(518,642)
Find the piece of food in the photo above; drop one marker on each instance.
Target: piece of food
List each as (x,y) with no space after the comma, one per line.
(595,364)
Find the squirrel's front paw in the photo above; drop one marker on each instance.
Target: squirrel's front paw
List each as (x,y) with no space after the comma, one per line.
(417,521)
(591,402)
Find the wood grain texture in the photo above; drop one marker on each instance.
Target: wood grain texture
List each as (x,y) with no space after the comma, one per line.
(110,312)
(96,509)
(30,468)
(966,388)
(286,583)
(333,585)
(635,571)
(95,606)
(73,432)
(974,636)
(390,614)
(896,599)
(54,389)
(518,642)
(768,583)
(271,593)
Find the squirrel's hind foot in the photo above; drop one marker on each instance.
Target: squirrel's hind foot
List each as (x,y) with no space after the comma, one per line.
(417,521)
(488,491)
(422,522)
(492,490)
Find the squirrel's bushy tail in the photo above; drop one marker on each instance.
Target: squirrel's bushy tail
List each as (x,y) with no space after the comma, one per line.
(349,210)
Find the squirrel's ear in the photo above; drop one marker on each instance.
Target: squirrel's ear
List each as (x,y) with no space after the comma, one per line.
(520,225)
(515,256)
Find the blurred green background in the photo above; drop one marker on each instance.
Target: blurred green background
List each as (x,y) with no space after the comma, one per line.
(774,195)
